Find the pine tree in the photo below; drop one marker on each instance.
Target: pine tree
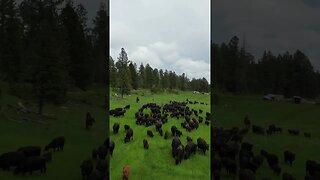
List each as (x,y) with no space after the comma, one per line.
(124,73)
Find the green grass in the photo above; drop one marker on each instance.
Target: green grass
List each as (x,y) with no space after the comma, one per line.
(69,122)
(231,112)
(157,162)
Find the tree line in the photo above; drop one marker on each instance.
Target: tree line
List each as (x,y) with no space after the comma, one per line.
(236,70)
(125,76)
(46,48)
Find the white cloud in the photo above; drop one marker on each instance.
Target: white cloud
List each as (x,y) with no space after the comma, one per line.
(161,32)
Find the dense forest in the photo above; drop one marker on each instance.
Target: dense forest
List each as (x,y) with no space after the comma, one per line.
(236,70)
(46,48)
(125,76)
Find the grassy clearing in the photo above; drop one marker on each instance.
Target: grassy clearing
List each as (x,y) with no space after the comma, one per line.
(232,110)
(157,162)
(70,122)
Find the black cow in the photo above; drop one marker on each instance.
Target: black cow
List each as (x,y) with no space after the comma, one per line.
(294,132)
(116,127)
(30,151)
(137,99)
(289,157)
(31,164)
(308,135)
(111,147)
(287,176)
(119,113)
(129,135)
(246,174)
(161,132)
(149,133)
(189,149)
(127,106)
(11,159)
(56,144)
(47,156)
(94,154)
(86,169)
(102,166)
(102,151)
(189,139)
(202,144)
(173,130)
(276,169)
(174,144)
(246,146)
(179,152)
(167,135)
(126,127)
(145,144)
(178,133)
(230,165)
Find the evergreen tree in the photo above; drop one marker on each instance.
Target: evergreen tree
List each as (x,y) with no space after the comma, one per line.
(80,65)
(124,73)
(134,76)
(101,32)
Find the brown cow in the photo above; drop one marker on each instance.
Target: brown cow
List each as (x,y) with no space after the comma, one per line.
(125,172)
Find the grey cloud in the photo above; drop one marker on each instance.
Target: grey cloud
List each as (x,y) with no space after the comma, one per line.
(269,25)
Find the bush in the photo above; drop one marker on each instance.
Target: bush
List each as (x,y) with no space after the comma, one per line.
(22,90)
(173,91)
(155,90)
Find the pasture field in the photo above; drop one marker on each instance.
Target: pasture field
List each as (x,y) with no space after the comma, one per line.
(232,109)
(69,122)
(157,162)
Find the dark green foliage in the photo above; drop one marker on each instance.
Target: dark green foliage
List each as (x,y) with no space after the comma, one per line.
(79,67)
(101,34)
(133,75)
(155,79)
(47,48)
(124,79)
(235,70)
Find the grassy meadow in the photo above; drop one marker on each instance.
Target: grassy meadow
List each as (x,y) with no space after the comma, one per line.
(232,109)
(69,121)
(157,162)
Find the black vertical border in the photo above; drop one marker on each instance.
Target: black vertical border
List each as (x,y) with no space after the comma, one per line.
(107,99)
(211,92)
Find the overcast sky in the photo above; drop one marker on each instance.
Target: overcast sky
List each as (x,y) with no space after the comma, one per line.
(276,25)
(167,34)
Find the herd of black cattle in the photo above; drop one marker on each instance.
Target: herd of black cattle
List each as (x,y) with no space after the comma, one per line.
(237,157)
(160,116)
(30,158)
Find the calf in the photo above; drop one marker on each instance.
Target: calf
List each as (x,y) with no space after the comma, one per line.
(129,135)
(125,172)
(149,133)
(116,128)
(145,144)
